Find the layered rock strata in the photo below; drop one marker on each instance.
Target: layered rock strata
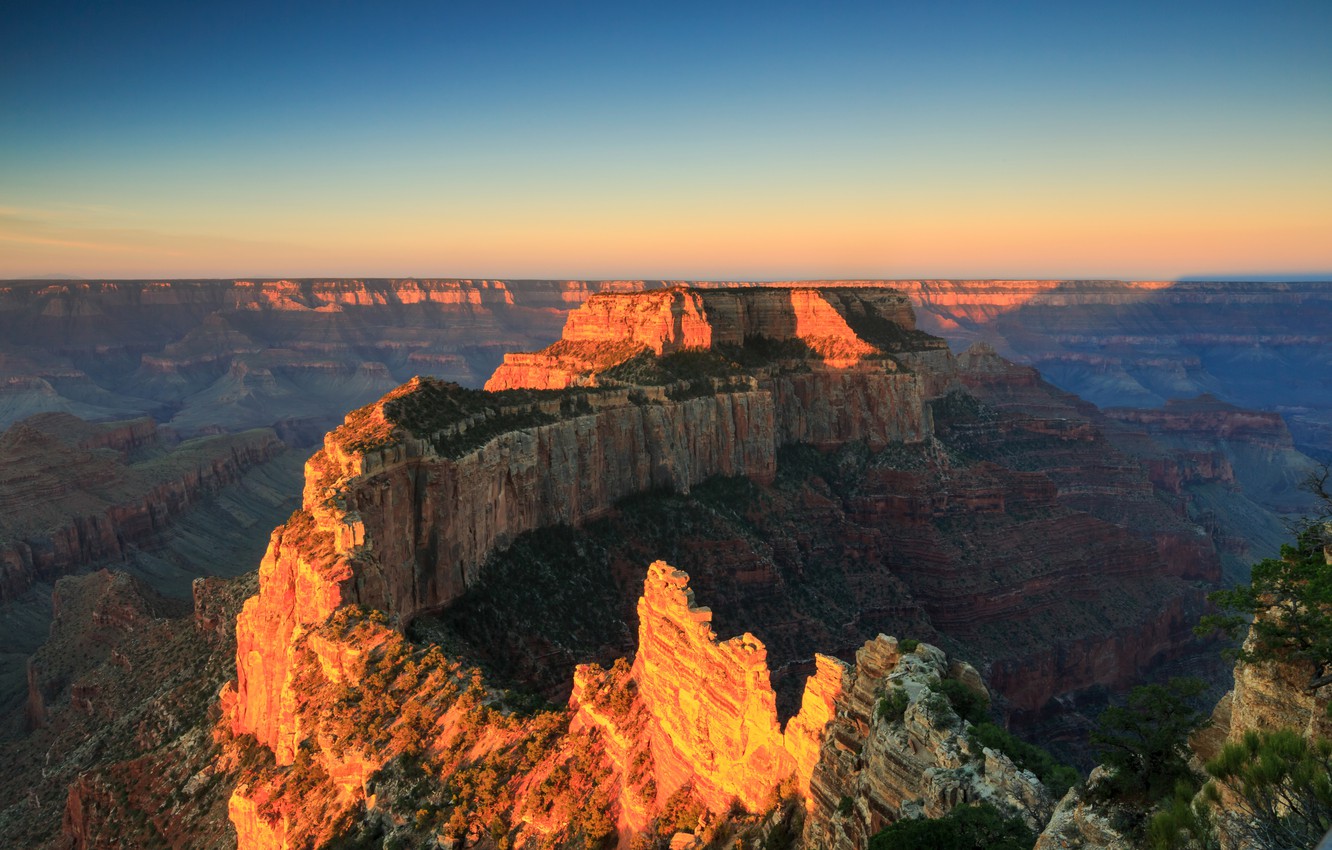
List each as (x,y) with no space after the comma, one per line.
(122,692)
(408,501)
(73,494)
(875,769)
(690,725)
(711,707)
(610,328)
(171,342)
(237,354)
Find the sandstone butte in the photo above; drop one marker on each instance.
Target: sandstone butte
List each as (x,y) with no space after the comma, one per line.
(406,500)
(549,463)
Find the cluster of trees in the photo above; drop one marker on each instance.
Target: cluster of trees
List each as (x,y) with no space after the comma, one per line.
(978,827)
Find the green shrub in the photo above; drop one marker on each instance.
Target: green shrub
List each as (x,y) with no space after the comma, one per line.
(1183,823)
(892,707)
(906,645)
(1287,608)
(969,704)
(1056,777)
(1281,786)
(941,709)
(1145,741)
(980,827)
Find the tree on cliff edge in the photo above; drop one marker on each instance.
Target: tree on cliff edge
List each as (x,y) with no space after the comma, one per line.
(1145,742)
(1288,603)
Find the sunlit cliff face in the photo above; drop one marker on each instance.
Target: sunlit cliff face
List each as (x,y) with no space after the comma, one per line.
(611,329)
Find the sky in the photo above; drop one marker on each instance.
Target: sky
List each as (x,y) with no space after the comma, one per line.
(666,140)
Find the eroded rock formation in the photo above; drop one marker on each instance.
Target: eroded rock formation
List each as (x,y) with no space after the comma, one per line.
(712,712)
(122,753)
(875,769)
(468,472)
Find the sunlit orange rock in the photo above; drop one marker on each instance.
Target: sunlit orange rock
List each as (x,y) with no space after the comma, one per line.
(254,832)
(374,477)
(610,328)
(712,711)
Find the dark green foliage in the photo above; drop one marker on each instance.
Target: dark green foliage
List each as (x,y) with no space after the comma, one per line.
(982,827)
(785,834)
(1056,777)
(907,645)
(942,709)
(1288,602)
(892,708)
(648,369)
(429,405)
(1282,785)
(968,704)
(555,582)
(959,406)
(1279,785)
(759,351)
(1145,741)
(480,433)
(1183,823)
(680,812)
(612,691)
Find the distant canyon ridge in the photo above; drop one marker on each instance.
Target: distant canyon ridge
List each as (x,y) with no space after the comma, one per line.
(211,356)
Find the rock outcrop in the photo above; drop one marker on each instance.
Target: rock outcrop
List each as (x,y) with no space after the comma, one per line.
(1077,824)
(466,473)
(691,725)
(875,769)
(609,329)
(1270,695)
(712,712)
(411,501)
(122,754)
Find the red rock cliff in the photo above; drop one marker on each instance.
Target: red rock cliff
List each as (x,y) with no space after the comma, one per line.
(610,328)
(401,510)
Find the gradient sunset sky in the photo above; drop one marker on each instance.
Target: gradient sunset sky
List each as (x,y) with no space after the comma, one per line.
(676,140)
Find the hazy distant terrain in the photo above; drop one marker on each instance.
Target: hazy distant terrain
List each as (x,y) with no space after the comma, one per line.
(296,355)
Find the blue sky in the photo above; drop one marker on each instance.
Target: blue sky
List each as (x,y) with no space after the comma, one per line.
(677,140)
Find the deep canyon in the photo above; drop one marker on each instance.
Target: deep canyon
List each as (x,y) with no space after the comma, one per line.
(812,463)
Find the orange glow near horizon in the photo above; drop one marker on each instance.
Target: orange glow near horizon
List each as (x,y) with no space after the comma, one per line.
(788,241)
